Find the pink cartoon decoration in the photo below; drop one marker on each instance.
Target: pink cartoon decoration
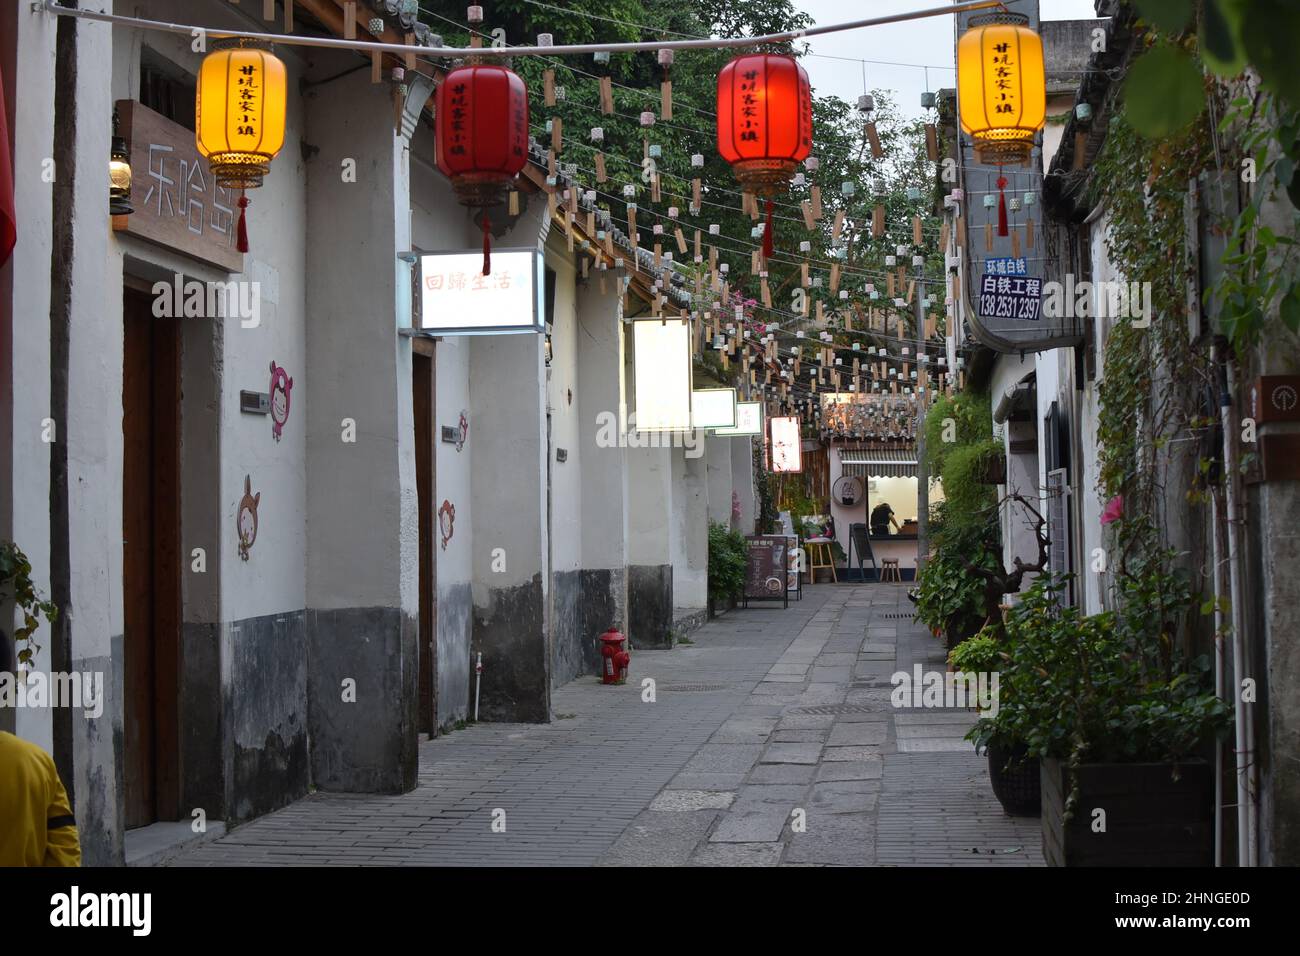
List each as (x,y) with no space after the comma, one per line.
(446,521)
(246,517)
(464,430)
(281,383)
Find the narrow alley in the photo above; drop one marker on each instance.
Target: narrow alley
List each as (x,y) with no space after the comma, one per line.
(765,713)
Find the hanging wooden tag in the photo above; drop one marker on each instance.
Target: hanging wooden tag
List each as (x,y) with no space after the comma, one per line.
(805,278)
(1080,148)
(878,221)
(961,232)
(551,168)
(889,284)
(754,264)
(666,100)
(557,135)
(874,139)
(550,201)
(591,224)
(268,12)
(548,87)
(838,226)
(631,222)
(573,200)
(766,292)
(835,277)
(288,16)
(916,231)
(513,202)
(698,254)
(1029,233)
(568,229)
(606,95)
(654,188)
(681,240)
(808,219)
(376,67)
(821,313)
(713,261)
(699,284)
(932,142)
(902,276)
(911,287)
(944,235)
(755,212)
(410,57)
(349,17)
(659,255)
(815,194)
(988,237)
(1015,243)
(600,168)
(695,193)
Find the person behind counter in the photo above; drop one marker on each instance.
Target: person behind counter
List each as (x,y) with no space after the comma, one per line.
(882,516)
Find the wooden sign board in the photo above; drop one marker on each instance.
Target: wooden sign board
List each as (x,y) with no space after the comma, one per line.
(177,202)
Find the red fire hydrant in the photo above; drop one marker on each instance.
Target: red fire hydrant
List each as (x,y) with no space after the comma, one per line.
(616,657)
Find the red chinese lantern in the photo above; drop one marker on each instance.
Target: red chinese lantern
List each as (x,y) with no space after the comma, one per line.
(482,136)
(764,124)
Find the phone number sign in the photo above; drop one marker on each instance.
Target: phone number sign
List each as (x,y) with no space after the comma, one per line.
(1010,297)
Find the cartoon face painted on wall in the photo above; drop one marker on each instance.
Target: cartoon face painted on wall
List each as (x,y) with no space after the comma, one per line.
(246,517)
(281,383)
(447,521)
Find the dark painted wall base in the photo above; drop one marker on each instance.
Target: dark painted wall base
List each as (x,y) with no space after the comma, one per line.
(369,745)
(650,605)
(455,664)
(511,634)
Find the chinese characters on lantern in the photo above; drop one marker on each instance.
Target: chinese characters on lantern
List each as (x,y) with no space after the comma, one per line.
(459,101)
(1005,88)
(750,126)
(248,90)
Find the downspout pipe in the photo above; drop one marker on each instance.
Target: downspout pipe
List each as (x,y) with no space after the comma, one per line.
(1247,855)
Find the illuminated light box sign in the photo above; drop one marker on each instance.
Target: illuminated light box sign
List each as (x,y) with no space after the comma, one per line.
(713,407)
(661,354)
(749,420)
(455,298)
(787,451)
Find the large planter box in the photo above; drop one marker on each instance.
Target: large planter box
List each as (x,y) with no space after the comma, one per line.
(1151,818)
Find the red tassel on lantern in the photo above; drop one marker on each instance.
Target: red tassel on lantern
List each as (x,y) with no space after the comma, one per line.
(241,232)
(768,238)
(1002,207)
(487,244)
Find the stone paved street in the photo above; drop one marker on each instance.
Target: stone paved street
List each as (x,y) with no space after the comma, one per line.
(768,713)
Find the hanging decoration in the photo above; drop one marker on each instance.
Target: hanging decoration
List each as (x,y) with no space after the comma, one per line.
(764,124)
(281,385)
(246,518)
(482,137)
(239,116)
(1001,87)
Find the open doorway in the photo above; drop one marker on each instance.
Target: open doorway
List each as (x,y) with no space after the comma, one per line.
(423,406)
(151,571)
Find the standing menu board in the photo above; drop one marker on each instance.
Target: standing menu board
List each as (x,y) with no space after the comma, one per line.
(767,568)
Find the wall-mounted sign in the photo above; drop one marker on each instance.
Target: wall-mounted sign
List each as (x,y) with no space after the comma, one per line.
(749,420)
(661,353)
(1010,297)
(713,407)
(454,297)
(177,201)
(787,452)
(1006,266)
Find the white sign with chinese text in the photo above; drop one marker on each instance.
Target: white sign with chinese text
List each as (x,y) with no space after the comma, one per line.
(456,298)
(787,450)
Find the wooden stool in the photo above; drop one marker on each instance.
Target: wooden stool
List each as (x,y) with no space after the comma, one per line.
(820,556)
(889,570)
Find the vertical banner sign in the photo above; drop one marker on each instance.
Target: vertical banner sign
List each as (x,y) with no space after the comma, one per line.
(661,353)
(787,455)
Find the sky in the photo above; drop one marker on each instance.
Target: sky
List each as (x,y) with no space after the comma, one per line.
(925,43)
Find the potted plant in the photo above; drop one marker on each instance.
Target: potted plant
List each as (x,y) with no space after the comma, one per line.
(727,562)
(951,595)
(1118,718)
(1013,771)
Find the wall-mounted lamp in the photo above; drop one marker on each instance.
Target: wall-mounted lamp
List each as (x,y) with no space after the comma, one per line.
(119,175)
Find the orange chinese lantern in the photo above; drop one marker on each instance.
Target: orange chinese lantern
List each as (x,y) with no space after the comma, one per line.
(239,110)
(1001,92)
(764,124)
(482,136)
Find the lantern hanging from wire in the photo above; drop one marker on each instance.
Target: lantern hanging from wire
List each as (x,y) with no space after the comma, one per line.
(482,137)
(1001,92)
(764,124)
(239,117)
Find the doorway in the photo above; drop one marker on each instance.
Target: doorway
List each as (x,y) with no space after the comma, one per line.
(423,405)
(151,568)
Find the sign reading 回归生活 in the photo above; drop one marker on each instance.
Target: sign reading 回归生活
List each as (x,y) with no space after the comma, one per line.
(456,298)
(1010,297)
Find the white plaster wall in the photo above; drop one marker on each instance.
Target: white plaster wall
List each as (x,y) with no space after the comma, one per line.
(742,479)
(600,390)
(717,459)
(562,388)
(25,359)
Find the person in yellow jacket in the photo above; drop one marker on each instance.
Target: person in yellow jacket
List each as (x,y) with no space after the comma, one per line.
(37,827)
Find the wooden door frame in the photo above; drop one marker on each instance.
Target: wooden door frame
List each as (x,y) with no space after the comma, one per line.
(425,402)
(162,366)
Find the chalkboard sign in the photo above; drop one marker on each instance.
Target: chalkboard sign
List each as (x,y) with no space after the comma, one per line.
(767,568)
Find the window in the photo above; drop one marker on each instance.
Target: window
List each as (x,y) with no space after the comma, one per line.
(167,89)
